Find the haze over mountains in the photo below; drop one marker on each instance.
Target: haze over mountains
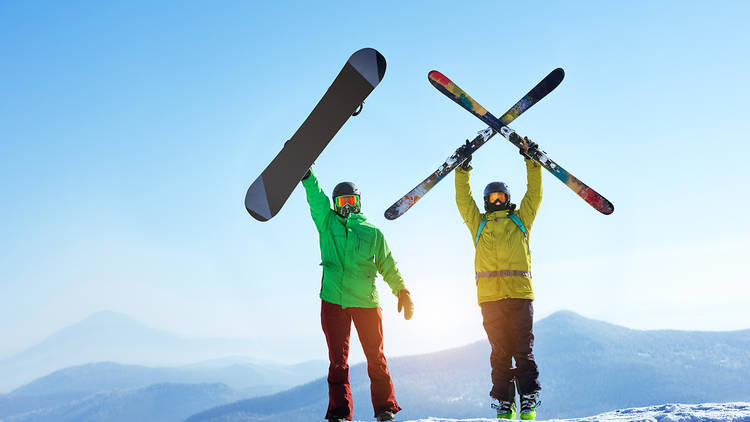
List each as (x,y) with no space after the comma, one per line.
(113,337)
(587,367)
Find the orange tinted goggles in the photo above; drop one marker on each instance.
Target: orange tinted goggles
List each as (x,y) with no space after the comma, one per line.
(352,200)
(494,196)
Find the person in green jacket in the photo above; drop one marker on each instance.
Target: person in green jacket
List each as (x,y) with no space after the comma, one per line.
(353,251)
(503,276)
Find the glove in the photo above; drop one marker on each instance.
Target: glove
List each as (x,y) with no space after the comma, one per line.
(464,150)
(306,175)
(404,301)
(465,164)
(530,150)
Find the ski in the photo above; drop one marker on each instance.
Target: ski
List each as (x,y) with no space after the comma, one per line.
(547,85)
(452,91)
(360,75)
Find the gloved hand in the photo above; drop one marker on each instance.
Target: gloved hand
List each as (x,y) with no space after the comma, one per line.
(464,150)
(404,301)
(465,164)
(530,149)
(306,175)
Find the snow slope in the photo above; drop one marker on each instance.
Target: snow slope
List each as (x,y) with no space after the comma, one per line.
(707,412)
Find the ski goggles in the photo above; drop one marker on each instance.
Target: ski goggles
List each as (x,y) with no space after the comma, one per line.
(494,196)
(352,200)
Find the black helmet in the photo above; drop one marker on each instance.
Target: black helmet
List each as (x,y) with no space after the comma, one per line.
(346,189)
(496,206)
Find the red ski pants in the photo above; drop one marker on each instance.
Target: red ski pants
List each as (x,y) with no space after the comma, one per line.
(337,323)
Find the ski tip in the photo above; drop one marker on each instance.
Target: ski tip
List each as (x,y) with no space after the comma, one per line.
(608,208)
(439,81)
(370,64)
(391,214)
(436,76)
(600,203)
(553,79)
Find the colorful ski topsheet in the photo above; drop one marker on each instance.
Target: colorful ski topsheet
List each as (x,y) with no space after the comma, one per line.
(589,195)
(452,91)
(411,198)
(547,85)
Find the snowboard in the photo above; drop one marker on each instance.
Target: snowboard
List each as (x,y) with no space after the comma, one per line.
(544,87)
(360,75)
(452,91)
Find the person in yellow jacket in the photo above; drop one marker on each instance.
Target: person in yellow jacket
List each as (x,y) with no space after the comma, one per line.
(503,278)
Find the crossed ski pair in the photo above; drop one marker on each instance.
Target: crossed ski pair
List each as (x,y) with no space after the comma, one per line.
(452,91)
(362,73)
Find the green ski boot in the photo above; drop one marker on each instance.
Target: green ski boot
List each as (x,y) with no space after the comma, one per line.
(505,409)
(529,403)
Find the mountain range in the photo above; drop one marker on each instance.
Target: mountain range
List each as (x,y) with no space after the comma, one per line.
(169,392)
(225,380)
(587,367)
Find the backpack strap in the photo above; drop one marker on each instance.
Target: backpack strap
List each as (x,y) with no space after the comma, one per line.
(520,225)
(479,230)
(513,217)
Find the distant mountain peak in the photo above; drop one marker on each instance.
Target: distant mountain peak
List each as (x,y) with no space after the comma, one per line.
(109,318)
(571,320)
(567,315)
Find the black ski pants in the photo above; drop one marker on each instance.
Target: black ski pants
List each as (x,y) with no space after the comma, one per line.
(509,327)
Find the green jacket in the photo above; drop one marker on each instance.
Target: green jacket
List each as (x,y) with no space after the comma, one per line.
(502,245)
(352,251)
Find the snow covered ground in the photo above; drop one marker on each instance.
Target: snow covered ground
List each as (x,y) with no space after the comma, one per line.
(707,412)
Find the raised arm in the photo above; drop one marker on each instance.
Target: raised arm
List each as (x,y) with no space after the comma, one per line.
(465,202)
(533,197)
(320,205)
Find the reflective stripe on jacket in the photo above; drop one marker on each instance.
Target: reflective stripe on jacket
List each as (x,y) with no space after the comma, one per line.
(352,252)
(502,249)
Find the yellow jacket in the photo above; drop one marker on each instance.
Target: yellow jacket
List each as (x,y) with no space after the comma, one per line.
(502,246)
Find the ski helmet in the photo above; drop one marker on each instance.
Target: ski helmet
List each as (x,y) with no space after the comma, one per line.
(346,205)
(496,187)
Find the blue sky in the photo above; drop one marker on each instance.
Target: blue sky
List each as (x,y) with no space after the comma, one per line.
(129,133)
